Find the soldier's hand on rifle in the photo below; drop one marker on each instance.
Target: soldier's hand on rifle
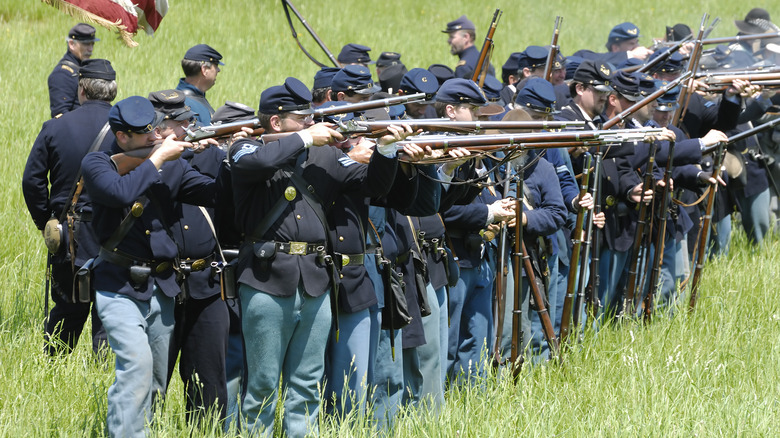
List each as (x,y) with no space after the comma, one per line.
(415,152)
(460,155)
(501,210)
(600,220)
(586,202)
(640,52)
(168,150)
(698,86)
(686,49)
(636,195)
(396,133)
(714,137)
(361,150)
(245,132)
(665,135)
(660,184)
(323,134)
(202,145)
(738,87)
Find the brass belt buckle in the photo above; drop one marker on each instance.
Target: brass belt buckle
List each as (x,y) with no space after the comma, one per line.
(344,260)
(162,267)
(298,248)
(198,265)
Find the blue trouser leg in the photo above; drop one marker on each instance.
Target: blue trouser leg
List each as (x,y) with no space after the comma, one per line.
(755,216)
(347,363)
(430,354)
(388,381)
(285,337)
(139,333)
(201,335)
(612,270)
(719,238)
(234,364)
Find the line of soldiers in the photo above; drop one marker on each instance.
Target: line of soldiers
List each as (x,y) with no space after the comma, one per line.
(373,271)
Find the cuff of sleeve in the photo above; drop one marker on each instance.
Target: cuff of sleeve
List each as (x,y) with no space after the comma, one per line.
(388,150)
(308,141)
(701,144)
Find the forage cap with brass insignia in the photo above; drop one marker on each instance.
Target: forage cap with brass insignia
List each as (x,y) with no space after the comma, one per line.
(460,23)
(204,52)
(134,114)
(622,32)
(291,97)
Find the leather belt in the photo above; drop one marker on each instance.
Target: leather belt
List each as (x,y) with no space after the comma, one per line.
(126,260)
(300,248)
(350,259)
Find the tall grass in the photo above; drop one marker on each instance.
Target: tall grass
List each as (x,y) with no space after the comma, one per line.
(712,372)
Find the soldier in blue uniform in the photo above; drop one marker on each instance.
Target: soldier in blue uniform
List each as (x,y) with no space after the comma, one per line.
(56,156)
(353,84)
(134,274)
(285,274)
(201,66)
(64,79)
(201,316)
(462,36)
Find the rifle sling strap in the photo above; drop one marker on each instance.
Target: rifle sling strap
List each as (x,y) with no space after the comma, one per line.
(78,183)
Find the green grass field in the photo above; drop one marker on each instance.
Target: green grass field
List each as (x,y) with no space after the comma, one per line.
(710,373)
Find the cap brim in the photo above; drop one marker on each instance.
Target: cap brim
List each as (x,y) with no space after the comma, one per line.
(491,109)
(748,28)
(371,90)
(630,97)
(603,88)
(187,115)
(666,108)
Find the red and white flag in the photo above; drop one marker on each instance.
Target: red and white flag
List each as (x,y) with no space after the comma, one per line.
(123,16)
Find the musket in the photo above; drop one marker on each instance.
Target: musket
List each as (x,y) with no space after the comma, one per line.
(379,128)
(592,293)
(368,105)
(585,256)
(660,59)
(644,102)
(716,88)
(289,6)
(527,140)
(548,67)
(662,213)
(480,71)
(501,279)
(539,298)
(706,221)
(727,79)
(578,239)
(629,304)
(516,354)
(196,133)
(740,38)
(742,135)
(707,73)
(693,64)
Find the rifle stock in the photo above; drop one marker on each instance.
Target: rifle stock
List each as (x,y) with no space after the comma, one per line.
(662,212)
(571,283)
(629,302)
(700,253)
(548,67)
(487,48)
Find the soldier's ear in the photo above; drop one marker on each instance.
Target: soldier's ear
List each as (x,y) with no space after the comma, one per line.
(276,122)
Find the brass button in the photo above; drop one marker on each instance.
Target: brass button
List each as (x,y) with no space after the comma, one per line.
(298,217)
(186,227)
(148,232)
(341,275)
(341,238)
